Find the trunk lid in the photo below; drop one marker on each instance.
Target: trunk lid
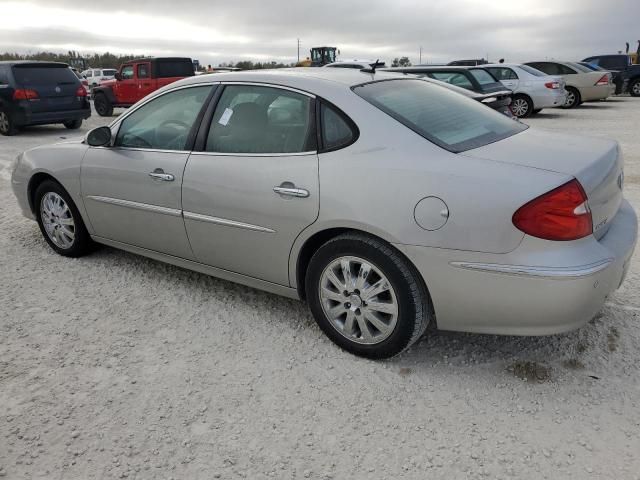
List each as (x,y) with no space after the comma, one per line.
(596,163)
(55,84)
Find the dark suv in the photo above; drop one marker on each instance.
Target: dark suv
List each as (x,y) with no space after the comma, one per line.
(40,93)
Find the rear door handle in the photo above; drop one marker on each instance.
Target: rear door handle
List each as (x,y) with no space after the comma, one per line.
(291,192)
(159,174)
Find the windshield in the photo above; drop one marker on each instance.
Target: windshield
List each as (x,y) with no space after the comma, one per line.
(443,117)
(533,71)
(482,76)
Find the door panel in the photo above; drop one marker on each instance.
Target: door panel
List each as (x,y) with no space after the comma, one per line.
(127,205)
(145,83)
(240,223)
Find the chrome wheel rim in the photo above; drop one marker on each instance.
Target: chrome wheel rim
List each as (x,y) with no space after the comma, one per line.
(358,300)
(636,88)
(57,220)
(519,107)
(4,122)
(571,99)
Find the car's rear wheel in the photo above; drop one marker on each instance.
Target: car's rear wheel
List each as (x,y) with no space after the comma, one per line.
(521,106)
(366,297)
(573,98)
(634,88)
(73,124)
(7,126)
(102,105)
(60,221)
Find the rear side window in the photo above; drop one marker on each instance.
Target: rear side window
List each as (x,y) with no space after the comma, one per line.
(482,76)
(449,120)
(143,70)
(337,132)
(4,78)
(503,73)
(252,119)
(457,79)
(173,68)
(42,75)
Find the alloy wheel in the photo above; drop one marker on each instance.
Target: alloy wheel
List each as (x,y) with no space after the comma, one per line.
(636,88)
(571,99)
(519,107)
(358,300)
(57,220)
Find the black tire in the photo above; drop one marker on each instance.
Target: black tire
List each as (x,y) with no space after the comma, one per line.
(73,124)
(82,243)
(573,98)
(410,292)
(521,106)
(7,127)
(634,88)
(102,105)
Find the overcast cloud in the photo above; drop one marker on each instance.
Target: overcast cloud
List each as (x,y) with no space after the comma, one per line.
(219,31)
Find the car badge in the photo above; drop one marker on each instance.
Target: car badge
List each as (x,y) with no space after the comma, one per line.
(58,89)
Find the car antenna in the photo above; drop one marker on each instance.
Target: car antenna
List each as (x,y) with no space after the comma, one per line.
(373,66)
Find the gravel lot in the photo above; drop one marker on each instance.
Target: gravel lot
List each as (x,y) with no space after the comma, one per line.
(116,366)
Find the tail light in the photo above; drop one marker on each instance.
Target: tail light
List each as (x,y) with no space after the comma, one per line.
(603,81)
(81,92)
(552,85)
(25,94)
(561,214)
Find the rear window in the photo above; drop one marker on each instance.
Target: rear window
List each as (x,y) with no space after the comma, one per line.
(579,67)
(173,68)
(482,76)
(533,71)
(38,75)
(449,120)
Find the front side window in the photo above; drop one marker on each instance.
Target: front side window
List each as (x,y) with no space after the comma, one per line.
(165,122)
(254,119)
(457,79)
(127,72)
(449,120)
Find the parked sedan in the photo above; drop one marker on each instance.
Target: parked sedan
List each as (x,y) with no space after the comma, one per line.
(582,83)
(474,79)
(387,202)
(618,81)
(533,90)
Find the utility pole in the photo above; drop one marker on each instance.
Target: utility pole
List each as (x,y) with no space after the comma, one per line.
(298,50)
(420,62)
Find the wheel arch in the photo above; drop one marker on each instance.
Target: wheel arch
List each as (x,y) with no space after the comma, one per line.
(35,181)
(106,91)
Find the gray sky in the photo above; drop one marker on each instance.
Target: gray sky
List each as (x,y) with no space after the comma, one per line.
(215,31)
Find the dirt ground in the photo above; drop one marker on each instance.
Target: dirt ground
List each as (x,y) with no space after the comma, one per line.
(116,366)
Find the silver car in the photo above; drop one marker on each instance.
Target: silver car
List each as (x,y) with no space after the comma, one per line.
(532,89)
(387,202)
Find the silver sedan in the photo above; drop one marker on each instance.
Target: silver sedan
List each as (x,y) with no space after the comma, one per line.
(388,203)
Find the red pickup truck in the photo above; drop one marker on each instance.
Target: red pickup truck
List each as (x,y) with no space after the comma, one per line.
(137,79)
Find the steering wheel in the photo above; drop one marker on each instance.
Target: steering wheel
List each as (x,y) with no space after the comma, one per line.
(176,142)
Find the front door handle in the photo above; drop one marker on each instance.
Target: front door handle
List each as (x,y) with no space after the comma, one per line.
(291,192)
(159,174)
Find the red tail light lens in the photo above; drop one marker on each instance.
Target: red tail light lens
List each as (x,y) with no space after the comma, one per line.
(603,81)
(562,214)
(81,92)
(552,85)
(25,94)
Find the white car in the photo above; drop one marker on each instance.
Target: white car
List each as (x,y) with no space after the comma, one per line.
(95,76)
(532,89)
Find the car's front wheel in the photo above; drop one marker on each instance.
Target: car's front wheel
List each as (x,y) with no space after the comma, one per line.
(60,221)
(7,127)
(634,88)
(366,297)
(102,105)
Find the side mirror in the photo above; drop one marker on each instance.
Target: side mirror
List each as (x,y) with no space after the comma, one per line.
(99,137)
(117,76)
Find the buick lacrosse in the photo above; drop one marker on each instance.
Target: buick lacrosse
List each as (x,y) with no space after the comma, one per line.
(386,202)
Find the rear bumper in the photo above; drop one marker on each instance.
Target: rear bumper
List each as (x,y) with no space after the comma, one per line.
(540,288)
(23,117)
(548,99)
